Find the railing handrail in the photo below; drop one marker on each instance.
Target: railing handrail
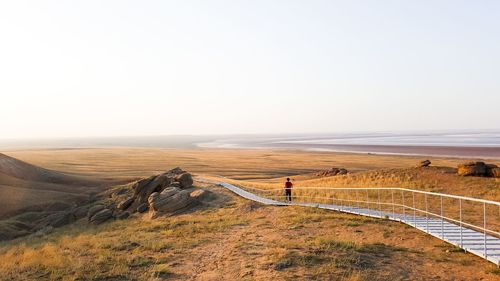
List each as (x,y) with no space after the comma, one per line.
(398,205)
(452,230)
(385,188)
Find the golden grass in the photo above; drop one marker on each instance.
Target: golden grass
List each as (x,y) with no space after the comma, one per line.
(323,243)
(134,249)
(236,241)
(233,163)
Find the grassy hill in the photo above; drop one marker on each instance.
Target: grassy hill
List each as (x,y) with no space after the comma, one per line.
(25,187)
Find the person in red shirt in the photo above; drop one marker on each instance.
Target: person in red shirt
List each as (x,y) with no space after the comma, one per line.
(288,190)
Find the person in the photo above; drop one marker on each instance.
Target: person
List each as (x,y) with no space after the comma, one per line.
(288,190)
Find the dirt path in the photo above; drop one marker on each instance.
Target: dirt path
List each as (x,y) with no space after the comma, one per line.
(218,261)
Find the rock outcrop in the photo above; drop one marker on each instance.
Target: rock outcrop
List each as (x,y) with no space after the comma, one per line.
(332,172)
(144,188)
(492,170)
(125,203)
(169,200)
(478,169)
(165,193)
(94,210)
(101,216)
(495,173)
(472,169)
(425,163)
(123,215)
(142,208)
(185,180)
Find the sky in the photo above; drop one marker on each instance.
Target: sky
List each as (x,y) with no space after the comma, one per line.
(139,68)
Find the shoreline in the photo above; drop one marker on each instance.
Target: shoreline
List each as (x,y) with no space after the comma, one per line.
(465,152)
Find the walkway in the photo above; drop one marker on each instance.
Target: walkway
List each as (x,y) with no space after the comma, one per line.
(484,246)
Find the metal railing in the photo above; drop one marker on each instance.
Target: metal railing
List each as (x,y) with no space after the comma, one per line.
(459,220)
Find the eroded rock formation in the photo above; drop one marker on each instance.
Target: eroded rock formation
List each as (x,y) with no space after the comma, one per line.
(332,172)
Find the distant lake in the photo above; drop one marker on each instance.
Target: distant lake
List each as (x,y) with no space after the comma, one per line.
(471,144)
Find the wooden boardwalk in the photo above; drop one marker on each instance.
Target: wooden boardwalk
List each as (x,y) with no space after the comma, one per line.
(478,243)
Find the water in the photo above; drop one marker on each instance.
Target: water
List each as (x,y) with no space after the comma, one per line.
(466,144)
(458,139)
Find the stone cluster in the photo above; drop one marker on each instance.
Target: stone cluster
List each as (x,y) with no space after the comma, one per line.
(160,194)
(479,169)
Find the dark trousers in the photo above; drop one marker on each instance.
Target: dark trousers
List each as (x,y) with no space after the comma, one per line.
(288,195)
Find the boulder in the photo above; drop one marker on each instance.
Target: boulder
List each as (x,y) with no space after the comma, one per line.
(200,195)
(494,172)
(425,163)
(80,212)
(125,203)
(490,170)
(101,216)
(170,201)
(142,208)
(472,169)
(169,191)
(176,184)
(185,179)
(342,172)
(156,184)
(175,171)
(123,215)
(94,210)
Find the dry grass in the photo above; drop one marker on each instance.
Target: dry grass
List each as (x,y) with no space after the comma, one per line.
(132,249)
(242,242)
(238,240)
(433,179)
(232,163)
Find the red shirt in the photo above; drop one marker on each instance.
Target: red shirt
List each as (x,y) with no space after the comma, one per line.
(288,185)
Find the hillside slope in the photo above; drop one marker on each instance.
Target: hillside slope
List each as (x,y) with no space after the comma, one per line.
(25,187)
(13,168)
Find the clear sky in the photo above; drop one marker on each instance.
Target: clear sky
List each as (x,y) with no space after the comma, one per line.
(112,68)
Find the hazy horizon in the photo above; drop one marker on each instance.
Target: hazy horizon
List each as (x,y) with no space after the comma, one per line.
(159,68)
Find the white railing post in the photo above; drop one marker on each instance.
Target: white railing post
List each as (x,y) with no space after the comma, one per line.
(379,206)
(357,199)
(414,210)
(349,201)
(442,221)
(426,215)
(341,204)
(367,199)
(393,206)
(461,238)
(404,206)
(484,230)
